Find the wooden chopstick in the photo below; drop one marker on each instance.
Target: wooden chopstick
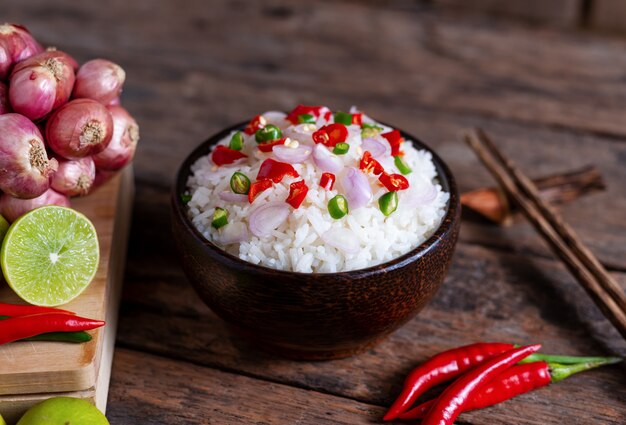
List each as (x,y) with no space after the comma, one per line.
(564,242)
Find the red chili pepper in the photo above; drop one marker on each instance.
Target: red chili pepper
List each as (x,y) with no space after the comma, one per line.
(394,182)
(357,118)
(441,368)
(395,139)
(16,328)
(297,193)
(223,155)
(457,396)
(331,134)
(519,379)
(316,111)
(370,165)
(327,181)
(267,146)
(258,187)
(275,170)
(11,310)
(256,123)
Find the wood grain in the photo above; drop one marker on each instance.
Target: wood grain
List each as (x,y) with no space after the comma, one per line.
(608,15)
(559,13)
(153,390)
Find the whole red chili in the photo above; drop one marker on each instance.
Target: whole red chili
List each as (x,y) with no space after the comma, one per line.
(275,170)
(517,380)
(297,193)
(331,134)
(395,140)
(223,155)
(267,146)
(256,123)
(441,368)
(11,310)
(316,111)
(369,165)
(394,182)
(16,328)
(327,181)
(455,398)
(258,187)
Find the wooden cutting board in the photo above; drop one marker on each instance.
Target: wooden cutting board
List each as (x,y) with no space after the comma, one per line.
(34,371)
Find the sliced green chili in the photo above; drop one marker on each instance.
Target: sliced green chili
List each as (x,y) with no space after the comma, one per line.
(338,207)
(185,198)
(267,134)
(401,165)
(236,142)
(343,118)
(220,218)
(306,119)
(341,148)
(388,203)
(370,130)
(240,183)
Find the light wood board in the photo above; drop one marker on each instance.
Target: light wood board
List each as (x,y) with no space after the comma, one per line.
(34,371)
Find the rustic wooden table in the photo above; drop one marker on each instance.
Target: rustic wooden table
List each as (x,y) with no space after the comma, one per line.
(554,100)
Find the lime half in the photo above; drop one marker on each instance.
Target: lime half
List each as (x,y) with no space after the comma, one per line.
(50,255)
(2,422)
(63,411)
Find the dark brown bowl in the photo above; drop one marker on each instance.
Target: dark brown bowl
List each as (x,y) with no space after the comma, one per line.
(314,315)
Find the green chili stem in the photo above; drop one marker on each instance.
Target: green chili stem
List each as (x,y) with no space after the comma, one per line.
(568,360)
(558,372)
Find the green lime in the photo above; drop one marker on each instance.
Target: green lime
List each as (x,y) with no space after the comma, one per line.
(50,255)
(2,422)
(63,411)
(4,226)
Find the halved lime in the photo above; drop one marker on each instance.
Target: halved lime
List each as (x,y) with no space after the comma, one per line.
(2,422)
(50,255)
(63,411)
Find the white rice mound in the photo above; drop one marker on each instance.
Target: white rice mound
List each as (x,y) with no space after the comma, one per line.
(310,240)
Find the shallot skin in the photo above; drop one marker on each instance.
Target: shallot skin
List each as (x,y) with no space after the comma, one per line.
(121,149)
(25,169)
(74,177)
(5,107)
(42,83)
(99,79)
(80,128)
(13,208)
(16,44)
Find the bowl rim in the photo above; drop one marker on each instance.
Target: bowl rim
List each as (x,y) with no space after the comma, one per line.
(446,179)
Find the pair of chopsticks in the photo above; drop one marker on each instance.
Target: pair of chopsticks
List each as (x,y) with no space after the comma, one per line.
(580,261)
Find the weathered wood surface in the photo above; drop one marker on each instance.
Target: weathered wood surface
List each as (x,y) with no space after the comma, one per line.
(553,100)
(608,15)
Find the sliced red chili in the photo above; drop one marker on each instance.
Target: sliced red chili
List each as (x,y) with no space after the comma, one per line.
(275,170)
(223,155)
(254,124)
(258,187)
(331,134)
(297,193)
(395,140)
(394,182)
(369,165)
(327,181)
(357,118)
(316,111)
(267,146)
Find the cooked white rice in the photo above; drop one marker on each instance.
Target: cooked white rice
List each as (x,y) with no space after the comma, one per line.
(310,240)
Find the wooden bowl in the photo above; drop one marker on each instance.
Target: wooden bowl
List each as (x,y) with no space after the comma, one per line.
(314,316)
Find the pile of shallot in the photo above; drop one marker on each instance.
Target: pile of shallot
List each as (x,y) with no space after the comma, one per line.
(62,129)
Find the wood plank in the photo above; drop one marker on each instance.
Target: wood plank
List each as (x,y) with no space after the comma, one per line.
(395,56)
(558,13)
(608,15)
(487,296)
(150,390)
(35,371)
